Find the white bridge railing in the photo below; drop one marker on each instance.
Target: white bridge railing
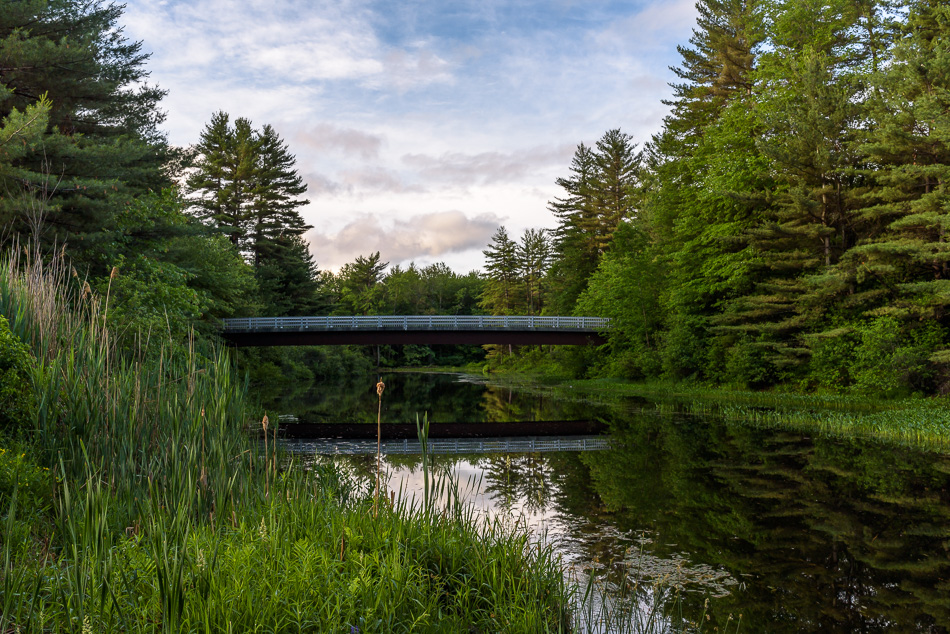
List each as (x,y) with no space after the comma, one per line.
(416,322)
(449,445)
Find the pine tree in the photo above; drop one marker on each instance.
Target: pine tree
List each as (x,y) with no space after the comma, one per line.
(501,295)
(616,181)
(602,192)
(102,146)
(246,185)
(705,179)
(901,265)
(533,253)
(812,96)
(276,187)
(360,286)
(291,284)
(575,259)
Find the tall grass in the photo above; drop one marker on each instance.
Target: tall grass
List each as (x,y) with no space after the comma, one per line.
(154,420)
(169,516)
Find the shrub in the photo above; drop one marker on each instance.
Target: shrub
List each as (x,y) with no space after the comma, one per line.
(17,401)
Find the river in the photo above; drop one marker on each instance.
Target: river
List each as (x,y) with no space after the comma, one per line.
(713,521)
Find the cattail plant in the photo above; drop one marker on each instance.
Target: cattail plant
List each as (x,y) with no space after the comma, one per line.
(380,386)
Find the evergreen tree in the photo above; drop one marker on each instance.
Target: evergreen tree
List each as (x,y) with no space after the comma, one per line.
(601,192)
(101,147)
(705,175)
(900,266)
(575,259)
(275,187)
(616,181)
(501,295)
(246,185)
(812,105)
(533,253)
(220,186)
(360,287)
(290,283)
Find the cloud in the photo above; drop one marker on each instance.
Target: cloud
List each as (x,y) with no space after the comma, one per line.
(326,137)
(360,182)
(457,168)
(399,111)
(404,70)
(280,42)
(403,239)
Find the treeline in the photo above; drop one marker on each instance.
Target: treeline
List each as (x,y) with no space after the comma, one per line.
(788,225)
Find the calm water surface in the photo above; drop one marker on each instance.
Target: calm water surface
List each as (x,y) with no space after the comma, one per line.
(795,533)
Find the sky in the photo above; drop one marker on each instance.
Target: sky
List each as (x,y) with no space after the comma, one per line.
(419,126)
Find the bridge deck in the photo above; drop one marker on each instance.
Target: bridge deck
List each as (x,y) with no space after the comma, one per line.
(414,329)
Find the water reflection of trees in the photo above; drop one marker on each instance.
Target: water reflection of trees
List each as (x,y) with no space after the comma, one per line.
(443,397)
(830,535)
(518,481)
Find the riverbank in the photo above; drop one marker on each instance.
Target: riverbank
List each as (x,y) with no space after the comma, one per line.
(136,496)
(920,422)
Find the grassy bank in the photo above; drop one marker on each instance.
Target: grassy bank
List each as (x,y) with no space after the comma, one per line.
(922,422)
(136,499)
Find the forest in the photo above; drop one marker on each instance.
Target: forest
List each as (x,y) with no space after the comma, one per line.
(785,227)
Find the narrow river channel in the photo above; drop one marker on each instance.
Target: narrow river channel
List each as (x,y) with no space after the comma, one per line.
(718,522)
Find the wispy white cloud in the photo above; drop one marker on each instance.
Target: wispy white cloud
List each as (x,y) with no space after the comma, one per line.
(359,183)
(402,240)
(461,169)
(327,137)
(403,110)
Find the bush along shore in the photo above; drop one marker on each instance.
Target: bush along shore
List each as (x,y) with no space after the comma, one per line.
(136,497)
(919,421)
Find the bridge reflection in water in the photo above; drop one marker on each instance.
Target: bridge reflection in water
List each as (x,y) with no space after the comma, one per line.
(334,446)
(414,329)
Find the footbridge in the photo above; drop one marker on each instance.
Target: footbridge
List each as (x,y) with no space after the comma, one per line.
(415,329)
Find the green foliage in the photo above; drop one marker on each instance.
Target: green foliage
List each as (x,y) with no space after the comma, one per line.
(170,512)
(832,359)
(625,288)
(245,183)
(892,359)
(359,286)
(20,132)
(793,217)
(17,401)
(747,363)
(170,273)
(602,191)
(77,88)
(20,475)
(501,295)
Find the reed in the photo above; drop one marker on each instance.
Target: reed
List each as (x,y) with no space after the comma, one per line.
(167,514)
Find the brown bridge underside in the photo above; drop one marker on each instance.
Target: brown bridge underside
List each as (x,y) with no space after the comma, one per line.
(419,337)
